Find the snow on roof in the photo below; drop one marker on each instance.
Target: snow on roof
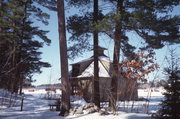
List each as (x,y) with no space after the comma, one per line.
(104,58)
(89,71)
(91,58)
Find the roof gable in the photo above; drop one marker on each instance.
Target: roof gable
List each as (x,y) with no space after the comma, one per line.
(103,70)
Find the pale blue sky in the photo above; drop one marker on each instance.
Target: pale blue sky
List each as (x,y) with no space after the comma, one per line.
(51,53)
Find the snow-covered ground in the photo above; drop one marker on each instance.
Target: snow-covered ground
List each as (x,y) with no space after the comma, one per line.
(37,108)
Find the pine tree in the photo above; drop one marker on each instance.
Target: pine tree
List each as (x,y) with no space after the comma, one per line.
(171,103)
(142,18)
(9,41)
(20,55)
(149,19)
(81,32)
(116,56)
(65,100)
(96,92)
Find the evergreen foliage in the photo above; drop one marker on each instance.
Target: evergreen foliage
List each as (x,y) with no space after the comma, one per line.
(149,19)
(171,103)
(20,55)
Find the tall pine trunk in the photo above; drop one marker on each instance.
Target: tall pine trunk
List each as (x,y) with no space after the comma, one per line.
(1,41)
(116,55)
(96,68)
(21,77)
(0,15)
(65,100)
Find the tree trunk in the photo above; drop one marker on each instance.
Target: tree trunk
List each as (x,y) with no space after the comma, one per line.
(0,14)
(116,55)
(21,77)
(96,67)
(20,85)
(1,41)
(65,101)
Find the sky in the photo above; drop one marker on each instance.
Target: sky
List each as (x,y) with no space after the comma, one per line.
(51,53)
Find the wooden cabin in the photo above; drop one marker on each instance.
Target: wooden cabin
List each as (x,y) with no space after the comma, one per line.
(82,75)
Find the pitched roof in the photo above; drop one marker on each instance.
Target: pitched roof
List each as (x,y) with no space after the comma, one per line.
(103,68)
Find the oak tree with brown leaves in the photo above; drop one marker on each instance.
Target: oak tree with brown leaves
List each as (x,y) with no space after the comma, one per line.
(137,69)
